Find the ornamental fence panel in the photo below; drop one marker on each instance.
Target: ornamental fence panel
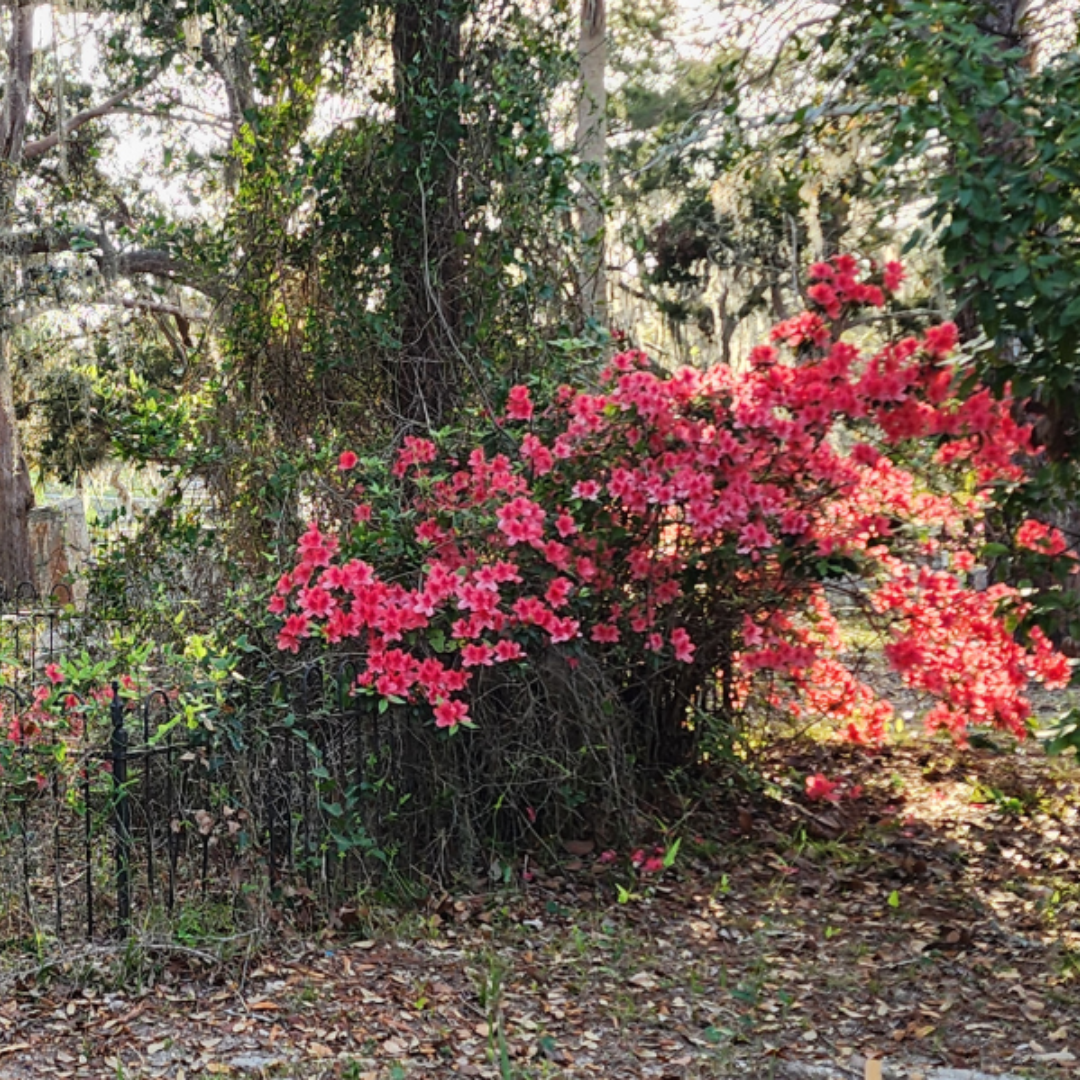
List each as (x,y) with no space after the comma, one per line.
(168,805)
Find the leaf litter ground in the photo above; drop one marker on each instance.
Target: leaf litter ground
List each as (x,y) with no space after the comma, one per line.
(931,921)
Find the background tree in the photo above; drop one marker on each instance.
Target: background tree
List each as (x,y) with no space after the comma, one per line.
(591,142)
(375,230)
(56,197)
(383,231)
(398,205)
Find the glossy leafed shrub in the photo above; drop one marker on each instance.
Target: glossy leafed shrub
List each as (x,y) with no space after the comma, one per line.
(690,532)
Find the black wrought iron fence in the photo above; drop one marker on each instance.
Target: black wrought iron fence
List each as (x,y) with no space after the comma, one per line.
(180,798)
(30,630)
(290,799)
(220,800)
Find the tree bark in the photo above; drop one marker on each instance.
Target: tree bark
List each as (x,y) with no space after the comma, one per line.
(428,242)
(591,143)
(1005,21)
(20,58)
(16,491)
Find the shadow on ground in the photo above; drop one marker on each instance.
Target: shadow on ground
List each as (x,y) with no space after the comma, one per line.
(930,918)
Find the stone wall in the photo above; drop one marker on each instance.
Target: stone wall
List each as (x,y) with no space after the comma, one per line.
(60,545)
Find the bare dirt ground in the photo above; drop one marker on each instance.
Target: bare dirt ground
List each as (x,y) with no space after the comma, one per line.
(930,919)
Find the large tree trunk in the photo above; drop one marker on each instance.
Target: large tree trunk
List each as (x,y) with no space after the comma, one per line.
(1005,22)
(591,142)
(16,492)
(426,374)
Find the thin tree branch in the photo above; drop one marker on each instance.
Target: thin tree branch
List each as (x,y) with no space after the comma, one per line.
(175,117)
(137,303)
(111,262)
(103,108)
(132,303)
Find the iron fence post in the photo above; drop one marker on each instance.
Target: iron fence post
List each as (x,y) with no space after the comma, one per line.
(121,812)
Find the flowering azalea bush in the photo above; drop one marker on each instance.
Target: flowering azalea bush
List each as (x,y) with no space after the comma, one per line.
(686,534)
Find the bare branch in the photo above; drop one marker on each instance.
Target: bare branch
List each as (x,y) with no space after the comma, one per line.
(111,262)
(207,120)
(710,126)
(131,303)
(103,108)
(137,303)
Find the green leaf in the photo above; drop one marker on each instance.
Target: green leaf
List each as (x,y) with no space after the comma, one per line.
(672,853)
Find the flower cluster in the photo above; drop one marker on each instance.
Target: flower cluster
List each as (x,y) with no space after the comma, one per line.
(1042,538)
(54,729)
(672,520)
(953,643)
(45,728)
(837,284)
